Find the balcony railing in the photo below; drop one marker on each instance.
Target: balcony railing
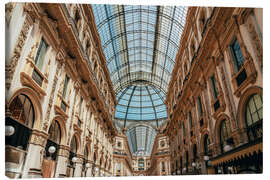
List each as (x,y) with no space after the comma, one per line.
(241,77)
(37,77)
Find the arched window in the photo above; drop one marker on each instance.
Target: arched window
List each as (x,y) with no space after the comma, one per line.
(73,145)
(86,153)
(72,153)
(225,134)
(194,152)
(55,132)
(186,159)
(254,109)
(22,119)
(206,143)
(22,110)
(54,139)
(254,117)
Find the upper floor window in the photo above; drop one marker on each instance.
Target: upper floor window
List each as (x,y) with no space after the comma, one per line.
(190,119)
(184,131)
(214,86)
(237,56)
(254,109)
(80,107)
(200,106)
(42,49)
(65,86)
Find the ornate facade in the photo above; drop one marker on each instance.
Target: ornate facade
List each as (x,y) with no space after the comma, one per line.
(217,76)
(64,105)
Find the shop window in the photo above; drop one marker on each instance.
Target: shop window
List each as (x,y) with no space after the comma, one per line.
(54,139)
(206,144)
(225,135)
(22,119)
(254,116)
(194,152)
(42,49)
(186,160)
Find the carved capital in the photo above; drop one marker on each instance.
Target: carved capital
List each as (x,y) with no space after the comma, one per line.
(38,138)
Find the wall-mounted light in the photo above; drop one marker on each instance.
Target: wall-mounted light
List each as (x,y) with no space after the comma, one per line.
(74,159)
(87,165)
(206,158)
(227,148)
(9,130)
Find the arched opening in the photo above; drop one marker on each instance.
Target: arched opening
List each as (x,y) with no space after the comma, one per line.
(186,161)
(85,161)
(19,124)
(195,155)
(206,144)
(51,150)
(72,156)
(54,139)
(225,135)
(254,117)
(21,121)
(141,164)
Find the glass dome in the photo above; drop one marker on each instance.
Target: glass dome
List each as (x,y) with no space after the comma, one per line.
(141,102)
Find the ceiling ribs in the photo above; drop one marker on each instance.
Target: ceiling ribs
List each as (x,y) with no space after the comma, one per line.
(128,105)
(155,41)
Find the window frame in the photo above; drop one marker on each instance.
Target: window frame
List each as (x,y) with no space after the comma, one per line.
(234,58)
(39,59)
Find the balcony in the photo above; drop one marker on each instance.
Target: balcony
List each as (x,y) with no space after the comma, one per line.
(246,75)
(218,105)
(202,122)
(32,77)
(61,107)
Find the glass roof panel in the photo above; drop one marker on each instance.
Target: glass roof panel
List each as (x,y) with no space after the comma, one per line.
(141,102)
(140,45)
(141,139)
(140,34)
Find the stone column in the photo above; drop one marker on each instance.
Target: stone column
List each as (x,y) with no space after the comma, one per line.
(89,170)
(78,167)
(34,158)
(62,161)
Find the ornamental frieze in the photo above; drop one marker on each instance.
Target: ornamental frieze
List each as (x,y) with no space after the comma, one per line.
(38,138)
(16,55)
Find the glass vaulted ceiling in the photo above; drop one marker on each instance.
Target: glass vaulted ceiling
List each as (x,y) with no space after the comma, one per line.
(139,42)
(140,45)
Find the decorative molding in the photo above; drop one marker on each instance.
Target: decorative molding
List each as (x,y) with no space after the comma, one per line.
(51,99)
(38,138)
(17,52)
